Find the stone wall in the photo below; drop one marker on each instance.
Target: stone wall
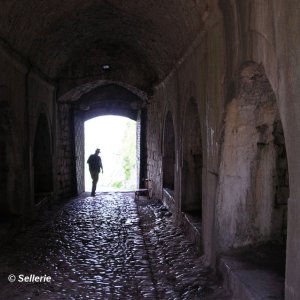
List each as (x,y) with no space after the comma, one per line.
(264,32)
(66,162)
(197,76)
(192,164)
(154,152)
(41,135)
(24,95)
(42,161)
(13,135)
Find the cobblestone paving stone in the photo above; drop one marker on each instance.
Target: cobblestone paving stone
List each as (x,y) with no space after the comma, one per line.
(105,247)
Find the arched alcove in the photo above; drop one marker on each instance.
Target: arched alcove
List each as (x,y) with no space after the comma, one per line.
(192,162)
(254,184)
(168,162)
(42,160)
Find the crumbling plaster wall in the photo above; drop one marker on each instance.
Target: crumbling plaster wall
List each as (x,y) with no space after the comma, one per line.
(199,75)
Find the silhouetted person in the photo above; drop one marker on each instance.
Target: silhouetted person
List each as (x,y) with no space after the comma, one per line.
(95,165)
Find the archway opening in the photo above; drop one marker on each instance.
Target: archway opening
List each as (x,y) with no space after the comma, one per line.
(116,138)
(42,161)
(191,199)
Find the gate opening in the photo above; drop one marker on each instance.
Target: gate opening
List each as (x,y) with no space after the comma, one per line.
(116,138)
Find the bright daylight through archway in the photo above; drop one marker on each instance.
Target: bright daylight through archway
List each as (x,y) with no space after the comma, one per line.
(116,138)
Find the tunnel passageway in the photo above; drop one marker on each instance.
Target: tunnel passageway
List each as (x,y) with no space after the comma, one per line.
(107,247)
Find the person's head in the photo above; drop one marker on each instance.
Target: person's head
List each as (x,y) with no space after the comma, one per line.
(97,151)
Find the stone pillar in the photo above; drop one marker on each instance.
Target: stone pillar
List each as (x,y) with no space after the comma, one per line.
(287,28)
(79,150)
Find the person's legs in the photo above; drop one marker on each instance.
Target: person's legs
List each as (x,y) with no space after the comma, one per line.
(95,176)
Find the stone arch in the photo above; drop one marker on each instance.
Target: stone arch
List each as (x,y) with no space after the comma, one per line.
(192,162)
(42,160)
(76,93)
(253,170)
(112,99)
(101,98)
(168,161)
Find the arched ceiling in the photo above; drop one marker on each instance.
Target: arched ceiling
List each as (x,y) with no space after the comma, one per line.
(71,39)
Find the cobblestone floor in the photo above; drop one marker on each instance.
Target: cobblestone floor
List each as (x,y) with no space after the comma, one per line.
(106,247)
